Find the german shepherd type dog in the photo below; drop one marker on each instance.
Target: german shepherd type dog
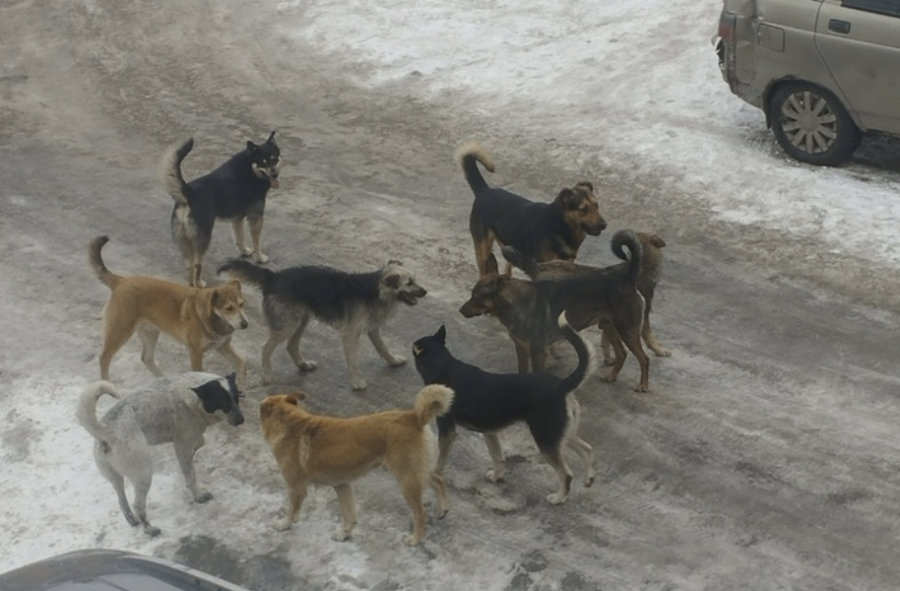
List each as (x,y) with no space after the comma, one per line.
(176,410)
(234,191)
(352,303)
(487,402)
(313,449)
(607,297)
(651,269)
(199,318)
(542,231)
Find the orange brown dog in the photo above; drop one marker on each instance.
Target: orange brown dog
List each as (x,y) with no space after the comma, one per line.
(332,451)
(199,318)
(542,231)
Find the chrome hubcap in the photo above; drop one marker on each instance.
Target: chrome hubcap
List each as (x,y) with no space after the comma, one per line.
(808,122)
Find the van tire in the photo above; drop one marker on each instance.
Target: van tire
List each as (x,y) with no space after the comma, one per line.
(812,125)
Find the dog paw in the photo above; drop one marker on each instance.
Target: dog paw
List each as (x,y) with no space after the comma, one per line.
(152,530)
(358,384)
(608,361)
(642,388)
(495,475)
(662,352)
(397,361)
(200,283)
(283,524)
(203,497)
(589,481)
(132,520)
(340,535)
(411,540)
(308,366)
(609,378)
(260,258)
(245,251)
(556,499)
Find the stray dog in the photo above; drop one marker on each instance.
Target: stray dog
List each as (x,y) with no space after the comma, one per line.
(200,318)
(234,191)
(314,449)
(352,303)
(651,268)
(487,402)
(176,410)
(607,297)
(542,231)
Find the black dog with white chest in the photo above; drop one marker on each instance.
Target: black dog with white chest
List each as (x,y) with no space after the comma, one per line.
(234,191)
(488,402)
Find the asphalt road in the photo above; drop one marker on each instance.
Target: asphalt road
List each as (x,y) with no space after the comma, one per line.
(765,456)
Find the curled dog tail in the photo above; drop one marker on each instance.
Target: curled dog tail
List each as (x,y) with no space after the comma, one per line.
(466,156)
(629,239)
(109,278)
(170,169)
(247,272)
(520,261)
(586,359)
(431,401)
(86,411)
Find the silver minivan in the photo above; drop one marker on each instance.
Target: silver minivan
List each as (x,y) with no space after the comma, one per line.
(823,71)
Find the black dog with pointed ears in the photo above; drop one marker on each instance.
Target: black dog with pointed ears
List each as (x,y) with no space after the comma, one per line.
(234,191)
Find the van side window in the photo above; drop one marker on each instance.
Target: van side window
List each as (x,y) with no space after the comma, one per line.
(887,7)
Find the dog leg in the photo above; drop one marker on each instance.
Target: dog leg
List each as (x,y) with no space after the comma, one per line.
(296,495)
(348,511)
(237,228)
(586,452)
(650,338)
(149,337)
(493,444)
(555,459)
(227,351)
(118,484)
(440,492)
(293,347)
(522,357)
(141,489)
(256,225)
(393,360)
(184,452)
(446,437)
(117,332)
(632,339)
(618,355)
(350,339)
(604,347)
(412,492)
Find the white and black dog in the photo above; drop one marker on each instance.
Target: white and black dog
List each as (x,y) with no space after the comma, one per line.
(174,409)
(234,191)
(352,303)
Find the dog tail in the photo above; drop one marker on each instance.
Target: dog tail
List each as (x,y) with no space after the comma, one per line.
(109,278)
(247,272)
(629,239)
(86,411)
(587,361)
(466,156)
(520,261)
(170,168)
(433,400)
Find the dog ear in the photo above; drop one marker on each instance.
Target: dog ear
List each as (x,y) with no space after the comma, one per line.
(490,265)
(392,280)
(251,147)
(295,398)
(271,138)
(587,185)
(394,262)
(657,241)
(565,197)
(441,334)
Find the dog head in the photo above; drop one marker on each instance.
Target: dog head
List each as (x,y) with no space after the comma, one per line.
(487,294)
(431,354)
(265,160)
(272,412)
(581,209)
(227,307)
(651,240)
(222,395)
(399,283)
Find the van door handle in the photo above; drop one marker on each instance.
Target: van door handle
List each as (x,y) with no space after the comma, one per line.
(839,26)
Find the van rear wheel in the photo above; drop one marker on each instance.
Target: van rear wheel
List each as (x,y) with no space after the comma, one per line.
(811,124)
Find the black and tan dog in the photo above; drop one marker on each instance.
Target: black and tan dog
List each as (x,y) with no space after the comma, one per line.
(199,318)
(352,303)
(542,231)
(648,278)
(315,449)
(234,191)
(488,402)
(607,297)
